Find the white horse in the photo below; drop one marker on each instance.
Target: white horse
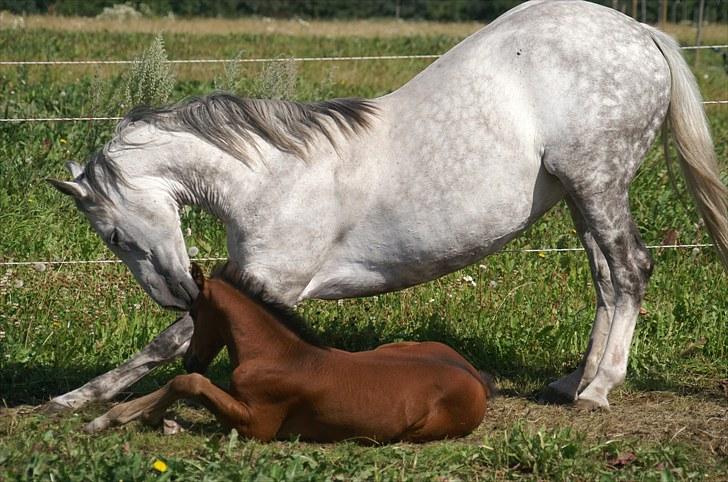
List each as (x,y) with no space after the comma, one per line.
(555,99)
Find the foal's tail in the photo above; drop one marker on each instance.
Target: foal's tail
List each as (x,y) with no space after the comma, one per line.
(489,383)
(694,144)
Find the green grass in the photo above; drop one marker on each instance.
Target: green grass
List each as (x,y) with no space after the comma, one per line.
(527,318)
(515,453)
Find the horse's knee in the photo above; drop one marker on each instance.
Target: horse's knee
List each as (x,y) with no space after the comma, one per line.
(632,266)
(645,263)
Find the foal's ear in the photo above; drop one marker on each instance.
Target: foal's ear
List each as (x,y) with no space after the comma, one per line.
(197,275)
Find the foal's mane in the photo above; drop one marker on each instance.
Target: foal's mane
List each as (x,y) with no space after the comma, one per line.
(230,122)
(256,291)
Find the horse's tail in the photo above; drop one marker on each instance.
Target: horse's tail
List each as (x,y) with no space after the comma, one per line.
(698,161)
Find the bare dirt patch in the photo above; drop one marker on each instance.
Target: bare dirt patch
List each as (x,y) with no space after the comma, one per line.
(650,417)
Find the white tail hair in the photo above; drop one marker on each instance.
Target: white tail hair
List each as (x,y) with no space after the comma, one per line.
(698,161)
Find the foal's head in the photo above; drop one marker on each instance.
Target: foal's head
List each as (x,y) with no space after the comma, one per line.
(207,339)
(230,298)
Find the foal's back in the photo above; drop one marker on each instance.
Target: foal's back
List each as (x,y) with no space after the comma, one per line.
(401,391)
(414,391)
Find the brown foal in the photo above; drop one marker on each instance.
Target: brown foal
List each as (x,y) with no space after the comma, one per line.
(284,386)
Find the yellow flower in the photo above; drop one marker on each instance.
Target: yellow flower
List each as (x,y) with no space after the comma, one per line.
(63,141)
(542,254)
(159,466)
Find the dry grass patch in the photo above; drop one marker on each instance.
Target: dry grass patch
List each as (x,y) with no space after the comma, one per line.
(648,417)
(266,26)
(369,28)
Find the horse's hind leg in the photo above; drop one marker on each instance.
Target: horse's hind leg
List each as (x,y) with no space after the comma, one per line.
(568,387)
(607,218)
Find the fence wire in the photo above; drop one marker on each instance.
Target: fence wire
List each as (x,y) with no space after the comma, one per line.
(266,60)
(19,120)
(40,265)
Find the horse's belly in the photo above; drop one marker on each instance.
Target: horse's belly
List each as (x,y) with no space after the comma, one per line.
(431,231)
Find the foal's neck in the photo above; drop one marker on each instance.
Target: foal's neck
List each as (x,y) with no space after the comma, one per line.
(252,332)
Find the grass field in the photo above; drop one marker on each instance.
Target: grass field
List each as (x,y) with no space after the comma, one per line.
(524,317)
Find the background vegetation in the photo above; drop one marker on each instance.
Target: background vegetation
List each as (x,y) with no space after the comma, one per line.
(448,10)
(523,316)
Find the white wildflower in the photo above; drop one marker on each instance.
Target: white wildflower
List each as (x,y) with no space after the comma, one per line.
(193,251)
(39,267)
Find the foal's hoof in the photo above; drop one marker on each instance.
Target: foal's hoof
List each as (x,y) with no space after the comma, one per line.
(97,425)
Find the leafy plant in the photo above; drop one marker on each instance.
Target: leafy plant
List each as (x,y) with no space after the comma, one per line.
(150,80)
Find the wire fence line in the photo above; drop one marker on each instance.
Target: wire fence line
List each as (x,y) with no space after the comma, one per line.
(42,264)
(256,60)
(57,119)
(264,60)
(18,120)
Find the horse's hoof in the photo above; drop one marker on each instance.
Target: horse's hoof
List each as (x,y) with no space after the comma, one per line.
(586,405)
(53,407)
(550,395)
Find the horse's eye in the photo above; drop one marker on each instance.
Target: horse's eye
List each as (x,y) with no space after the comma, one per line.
(114,238)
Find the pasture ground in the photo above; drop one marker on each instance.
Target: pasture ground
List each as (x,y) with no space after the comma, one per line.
(523,316)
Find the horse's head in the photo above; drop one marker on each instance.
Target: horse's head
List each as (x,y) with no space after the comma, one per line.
(138,219)
(206,341)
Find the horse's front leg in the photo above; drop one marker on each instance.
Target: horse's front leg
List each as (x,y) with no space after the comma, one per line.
(169,345)
(150,408)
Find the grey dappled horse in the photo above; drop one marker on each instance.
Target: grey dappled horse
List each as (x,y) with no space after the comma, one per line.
(555,99)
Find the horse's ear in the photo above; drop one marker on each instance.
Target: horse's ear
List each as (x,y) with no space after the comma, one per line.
(69,188)
(74,168)
(197,275)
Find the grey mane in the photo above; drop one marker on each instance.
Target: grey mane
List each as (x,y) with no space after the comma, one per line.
(230,122)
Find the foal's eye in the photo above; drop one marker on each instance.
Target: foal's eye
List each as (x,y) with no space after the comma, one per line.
(114,238)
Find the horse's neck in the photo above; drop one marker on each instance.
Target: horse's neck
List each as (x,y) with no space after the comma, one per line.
(232,189)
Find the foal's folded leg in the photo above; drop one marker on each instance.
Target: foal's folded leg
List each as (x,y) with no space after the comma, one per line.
(150,408)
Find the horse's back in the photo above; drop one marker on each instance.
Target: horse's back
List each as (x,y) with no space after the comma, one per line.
(565,61)
(563,84)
